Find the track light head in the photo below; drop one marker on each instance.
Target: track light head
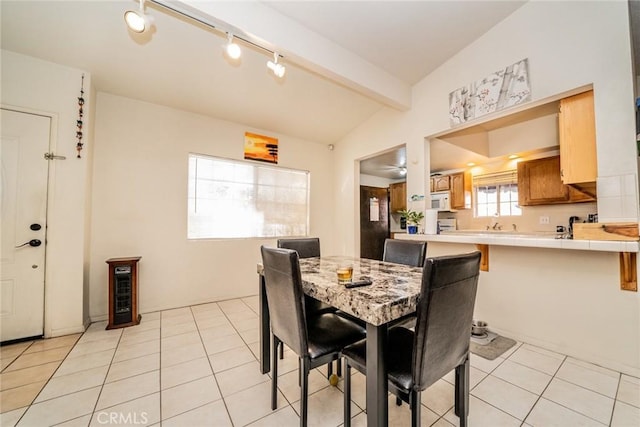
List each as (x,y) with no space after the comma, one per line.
(278,69)
(137,20)
(232,49)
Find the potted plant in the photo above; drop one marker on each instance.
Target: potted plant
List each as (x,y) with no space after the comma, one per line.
(413,219)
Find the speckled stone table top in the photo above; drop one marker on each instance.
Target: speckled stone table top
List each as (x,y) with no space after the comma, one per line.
(393,293)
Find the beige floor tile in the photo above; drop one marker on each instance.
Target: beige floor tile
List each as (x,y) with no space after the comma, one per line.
(166,322)
(523,376)
(625,415)
(143,411)
(211,414)
(253,302)
(442,423)
(509,398)
(547,413)
(232,306)
(288,384)
(481,414)
(250,336)
(25,376)
(546,363)
(49,343)
(401,415)
(439,397)
(100,334)
(88,347)
(140,337)
(184,372)
(132,351)
(88,361)
(72,383)
(207,314)
(181,328)
(219,331)
(181,340)
(239,378)
(282,417)
(629,390)
(182,354)
(237,316)
(61,409)
(82,421)
(39,358)
(10,418)
(358,390)
(19,397)
(128,389)
(143,326)
(132,367)
(154,315)
(485,365)
(212,322)
(217,345)
(6,362)
(201,308)
(581,400)
(14,350)
(475,376)
(231,358)
(592,377)
(176,312)
(188,396)
(247,324)
(260,398)
(325,407)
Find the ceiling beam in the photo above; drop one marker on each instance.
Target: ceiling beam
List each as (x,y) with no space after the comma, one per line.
(272,30)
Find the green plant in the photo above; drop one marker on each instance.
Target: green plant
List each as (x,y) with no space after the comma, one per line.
(413,217)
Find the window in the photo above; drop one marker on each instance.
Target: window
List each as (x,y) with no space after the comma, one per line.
(496,194)
(234,199)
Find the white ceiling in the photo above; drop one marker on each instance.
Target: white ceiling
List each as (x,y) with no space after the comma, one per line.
(181,64)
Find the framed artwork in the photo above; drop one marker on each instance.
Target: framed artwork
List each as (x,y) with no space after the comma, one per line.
(502,89)
(260,147)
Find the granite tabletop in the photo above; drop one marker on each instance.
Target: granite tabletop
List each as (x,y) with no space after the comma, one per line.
(393,293)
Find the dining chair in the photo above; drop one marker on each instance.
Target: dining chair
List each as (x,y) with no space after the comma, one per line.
(404,252)
(309,247)
(440,343)
(317,340)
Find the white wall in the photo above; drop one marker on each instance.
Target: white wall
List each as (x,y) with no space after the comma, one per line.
(140,203)
(569,45)
(53,90)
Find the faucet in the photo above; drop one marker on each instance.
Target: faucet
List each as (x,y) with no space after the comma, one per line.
(497,226)
(514,227)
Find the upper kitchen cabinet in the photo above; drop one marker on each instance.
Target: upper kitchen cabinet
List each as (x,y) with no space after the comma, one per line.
(440,183)
(577,138)
(460,184)
(397,197)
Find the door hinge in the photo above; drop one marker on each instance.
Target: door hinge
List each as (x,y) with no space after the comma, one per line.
(51,156)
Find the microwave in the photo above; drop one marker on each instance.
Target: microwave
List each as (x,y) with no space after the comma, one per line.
(441,201)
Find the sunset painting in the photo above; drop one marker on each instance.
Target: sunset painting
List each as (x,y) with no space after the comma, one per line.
(260,147)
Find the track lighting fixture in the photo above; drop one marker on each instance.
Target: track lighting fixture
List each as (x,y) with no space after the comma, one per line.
(137,20)
(278,69)
(232,48)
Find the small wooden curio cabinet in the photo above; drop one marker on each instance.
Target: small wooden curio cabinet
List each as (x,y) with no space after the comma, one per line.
(123,292)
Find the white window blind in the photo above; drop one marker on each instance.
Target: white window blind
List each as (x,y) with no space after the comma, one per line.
(236,199)
(496,194)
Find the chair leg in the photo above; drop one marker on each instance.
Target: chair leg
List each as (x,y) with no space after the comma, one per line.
(398,401)
(339,367)
(304,392)
(281,350)
(415,408)
(329,370)
(462,392)
(274,373)
(347,394)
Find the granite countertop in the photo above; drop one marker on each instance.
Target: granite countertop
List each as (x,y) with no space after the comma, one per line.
(531,240)
(393,293)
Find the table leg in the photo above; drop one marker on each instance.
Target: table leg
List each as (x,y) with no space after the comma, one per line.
(377,388)
(265,333)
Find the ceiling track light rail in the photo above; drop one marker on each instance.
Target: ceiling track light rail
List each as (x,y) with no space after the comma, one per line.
(140,22)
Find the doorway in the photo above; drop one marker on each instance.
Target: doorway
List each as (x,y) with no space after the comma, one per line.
(24,141)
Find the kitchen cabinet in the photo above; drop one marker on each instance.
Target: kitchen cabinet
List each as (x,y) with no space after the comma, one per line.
(398,196)
(440,183)
(577,137)
(460,185)
(539,183)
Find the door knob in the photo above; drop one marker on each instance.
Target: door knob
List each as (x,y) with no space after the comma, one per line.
(35,227)
(32,242)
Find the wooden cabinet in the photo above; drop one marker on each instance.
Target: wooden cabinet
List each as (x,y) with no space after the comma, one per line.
(539,183)
(397,197)
(577,137)
(460,185)
(440,183)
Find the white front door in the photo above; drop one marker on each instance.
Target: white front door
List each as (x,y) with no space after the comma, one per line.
(23,210)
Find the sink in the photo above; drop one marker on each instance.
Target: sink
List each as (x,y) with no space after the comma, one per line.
(502,233)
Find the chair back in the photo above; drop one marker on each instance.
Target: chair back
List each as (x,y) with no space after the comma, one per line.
(404,252)
(444,316)
(285,297)
(307,247)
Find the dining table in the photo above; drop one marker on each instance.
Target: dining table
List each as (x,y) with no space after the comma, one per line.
(391,296)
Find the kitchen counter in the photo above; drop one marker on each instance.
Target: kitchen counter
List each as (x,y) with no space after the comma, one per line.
(530,240)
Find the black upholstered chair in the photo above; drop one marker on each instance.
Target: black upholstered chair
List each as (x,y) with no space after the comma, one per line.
(404,252)
(317,340)
(440,343)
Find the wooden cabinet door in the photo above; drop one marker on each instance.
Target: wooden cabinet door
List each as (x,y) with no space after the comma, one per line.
(459,188)
(397,196)
(539,182)
(441,183)
(577,135)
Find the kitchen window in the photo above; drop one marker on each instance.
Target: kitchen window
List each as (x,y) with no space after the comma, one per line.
(496,194)
(240,199)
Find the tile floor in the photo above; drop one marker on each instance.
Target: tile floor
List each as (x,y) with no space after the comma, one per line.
(197,366)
